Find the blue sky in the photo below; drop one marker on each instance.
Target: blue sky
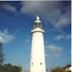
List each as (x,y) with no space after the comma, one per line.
(16,22)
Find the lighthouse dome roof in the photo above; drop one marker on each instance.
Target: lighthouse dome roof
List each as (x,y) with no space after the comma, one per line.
(37,20)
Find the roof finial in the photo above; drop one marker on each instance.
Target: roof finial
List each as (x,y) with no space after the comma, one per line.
(37,17)
(37,20)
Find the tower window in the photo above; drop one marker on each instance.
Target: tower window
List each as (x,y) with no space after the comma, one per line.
(41,63)
(32,63)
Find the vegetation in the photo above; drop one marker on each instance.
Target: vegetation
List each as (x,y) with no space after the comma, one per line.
(61,69)
(13,68)
(9,68)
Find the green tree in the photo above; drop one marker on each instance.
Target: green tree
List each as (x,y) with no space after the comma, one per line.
(57,69)
(10,68)
(61,69)
(1,68)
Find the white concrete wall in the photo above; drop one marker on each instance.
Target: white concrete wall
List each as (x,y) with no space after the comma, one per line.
(37,52)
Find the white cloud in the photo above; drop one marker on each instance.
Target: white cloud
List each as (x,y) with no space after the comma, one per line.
(64,20)
(38,7)
(6,37)
(59,37)
(9,7)
(54,50)
(50,10)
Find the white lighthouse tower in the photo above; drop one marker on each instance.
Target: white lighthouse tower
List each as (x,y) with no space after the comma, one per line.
(37,52)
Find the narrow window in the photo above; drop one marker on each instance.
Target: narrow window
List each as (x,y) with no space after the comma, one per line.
(41,63)
(32,63)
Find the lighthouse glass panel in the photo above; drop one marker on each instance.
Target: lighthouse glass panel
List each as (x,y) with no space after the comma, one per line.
(37,25)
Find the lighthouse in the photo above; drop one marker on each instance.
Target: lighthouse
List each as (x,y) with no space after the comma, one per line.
(37,63)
